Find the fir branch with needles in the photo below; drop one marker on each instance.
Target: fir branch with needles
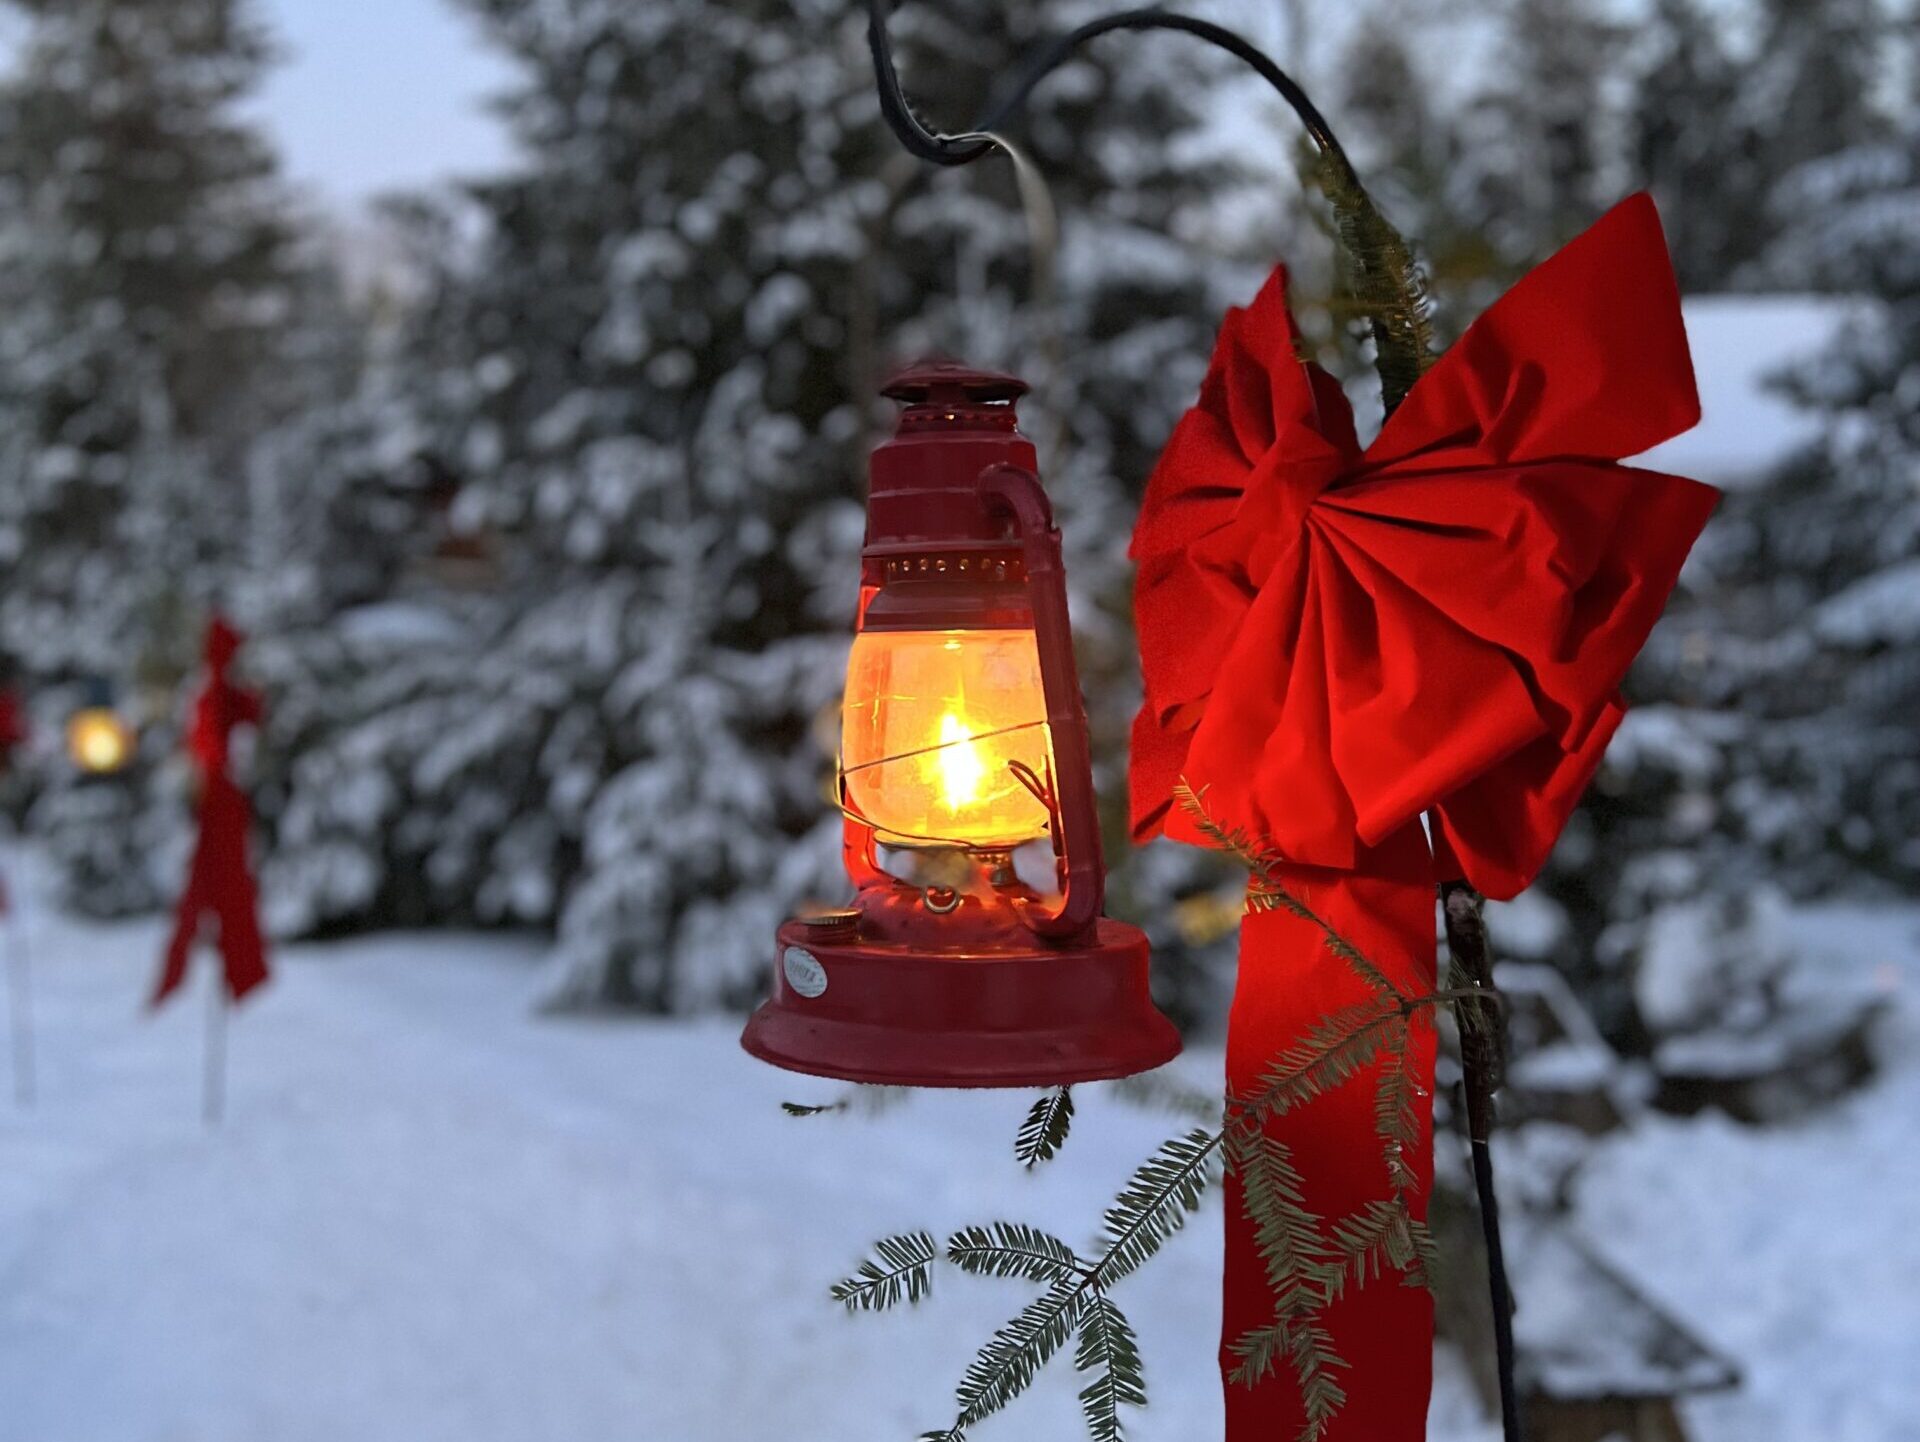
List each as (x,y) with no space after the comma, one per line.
(863,1099)
(1384,279)
(1044,1131)
(901,1268)
(1310,1262)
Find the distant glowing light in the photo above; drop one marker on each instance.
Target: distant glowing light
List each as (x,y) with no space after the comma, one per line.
(99,742)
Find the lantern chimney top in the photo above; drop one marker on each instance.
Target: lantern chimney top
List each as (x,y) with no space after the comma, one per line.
(939,383)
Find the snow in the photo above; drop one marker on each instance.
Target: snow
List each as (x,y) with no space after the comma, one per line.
(1740,343)
(1792,1250)
(1882,607)
(398,625)
(433,1213)
(1586,1334)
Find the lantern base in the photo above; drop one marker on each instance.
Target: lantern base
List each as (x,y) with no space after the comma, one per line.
(885,1014)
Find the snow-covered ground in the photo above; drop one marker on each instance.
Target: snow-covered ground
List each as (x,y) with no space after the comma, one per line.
(432,1214)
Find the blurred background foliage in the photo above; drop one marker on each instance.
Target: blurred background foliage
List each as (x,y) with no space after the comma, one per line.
(546,525)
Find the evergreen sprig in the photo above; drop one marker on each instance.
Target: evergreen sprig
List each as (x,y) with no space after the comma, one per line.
(865,1099)
(1044,1131)
(1155,1203)
(1013,1249)
(1013,1356)
(1310,1262)
(1269,893)
(1384,278)
(1109,1350)
(901,1266)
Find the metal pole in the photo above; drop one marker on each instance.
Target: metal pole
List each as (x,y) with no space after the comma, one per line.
(214,1094)
(1483,1055)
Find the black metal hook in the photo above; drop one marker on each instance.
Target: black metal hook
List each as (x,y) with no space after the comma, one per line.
(1047,57)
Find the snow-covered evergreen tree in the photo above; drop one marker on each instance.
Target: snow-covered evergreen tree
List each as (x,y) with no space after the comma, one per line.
(144,269)
(1698,144)
(1539,128)
(1774,744)
(1411,146)
(162,314)
(654,384)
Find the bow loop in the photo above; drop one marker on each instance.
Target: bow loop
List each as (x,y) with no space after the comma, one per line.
(1334,642)
(1586,356)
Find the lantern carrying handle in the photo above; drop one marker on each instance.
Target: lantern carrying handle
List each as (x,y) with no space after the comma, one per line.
(1018,494)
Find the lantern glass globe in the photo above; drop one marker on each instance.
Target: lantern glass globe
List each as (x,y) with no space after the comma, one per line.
(931,727)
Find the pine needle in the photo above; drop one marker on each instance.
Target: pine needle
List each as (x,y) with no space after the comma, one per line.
(864,1099)
(1259,1351)
(1385,281)
(1155,1203)
(1396,1119)
(1338,1048)
(1310,1350)
(1006,1366)
(1287,1236)
(1044,1131)
(1109,1350)
(1268,893)
(1013,1249)
(902,1267)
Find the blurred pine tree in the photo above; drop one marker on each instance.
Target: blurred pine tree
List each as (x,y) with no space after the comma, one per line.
(147,279)
(652,373)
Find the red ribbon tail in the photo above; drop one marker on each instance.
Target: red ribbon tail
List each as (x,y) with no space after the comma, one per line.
(220,881)
(1380,1329)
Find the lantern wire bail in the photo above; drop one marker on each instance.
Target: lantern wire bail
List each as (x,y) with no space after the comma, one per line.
(1036,200)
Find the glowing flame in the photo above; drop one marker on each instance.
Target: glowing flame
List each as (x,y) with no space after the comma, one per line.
(958,762)
(931,727)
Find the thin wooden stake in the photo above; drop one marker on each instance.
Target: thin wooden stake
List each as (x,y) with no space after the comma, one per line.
(214,1092)
(20,1004)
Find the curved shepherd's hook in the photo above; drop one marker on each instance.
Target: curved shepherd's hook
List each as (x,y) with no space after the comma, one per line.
(1390,287)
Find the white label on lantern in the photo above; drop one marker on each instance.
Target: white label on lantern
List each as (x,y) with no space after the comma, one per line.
(805,974)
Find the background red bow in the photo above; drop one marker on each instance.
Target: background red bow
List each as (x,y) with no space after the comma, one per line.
(220,880)
(1336,641)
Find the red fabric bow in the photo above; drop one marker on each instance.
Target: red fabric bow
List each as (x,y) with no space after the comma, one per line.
(13,726)
(220,880)
(13,732)
(1336,641)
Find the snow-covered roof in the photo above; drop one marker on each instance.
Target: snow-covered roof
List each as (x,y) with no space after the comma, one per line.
(1587,1333)
(1739,342)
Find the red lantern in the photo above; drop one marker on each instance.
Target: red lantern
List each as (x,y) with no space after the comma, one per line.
(975,952)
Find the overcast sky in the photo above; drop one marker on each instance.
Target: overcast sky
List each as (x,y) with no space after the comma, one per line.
(375,95)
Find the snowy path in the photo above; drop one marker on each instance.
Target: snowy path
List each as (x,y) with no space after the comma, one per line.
(431,1215)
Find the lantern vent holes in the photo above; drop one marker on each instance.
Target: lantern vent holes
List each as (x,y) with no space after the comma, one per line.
(958,566)
(994,416)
